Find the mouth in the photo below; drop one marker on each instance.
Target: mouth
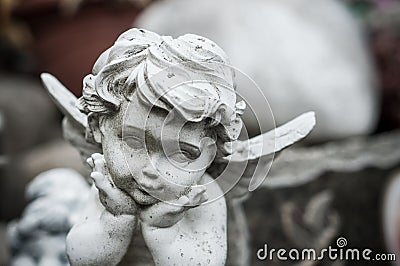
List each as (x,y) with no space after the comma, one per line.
(141,196)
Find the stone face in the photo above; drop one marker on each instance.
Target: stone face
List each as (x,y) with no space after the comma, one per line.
(304,55)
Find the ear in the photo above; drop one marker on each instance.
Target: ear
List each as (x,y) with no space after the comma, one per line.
(94,131)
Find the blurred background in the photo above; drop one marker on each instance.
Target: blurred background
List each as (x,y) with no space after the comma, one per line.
(339,58)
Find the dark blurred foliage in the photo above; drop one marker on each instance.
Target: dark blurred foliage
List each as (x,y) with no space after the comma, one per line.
(63,37)
(15,40)
(14,59)
(386,48)
(361,7)
(364,7)
(382,18)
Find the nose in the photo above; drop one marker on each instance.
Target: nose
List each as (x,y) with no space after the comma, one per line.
(151,180)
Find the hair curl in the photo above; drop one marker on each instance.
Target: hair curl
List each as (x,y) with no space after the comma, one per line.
(140,60)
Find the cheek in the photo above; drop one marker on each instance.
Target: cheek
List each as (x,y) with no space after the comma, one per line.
(116,158)
(176,182)
(179,176)
(135,160)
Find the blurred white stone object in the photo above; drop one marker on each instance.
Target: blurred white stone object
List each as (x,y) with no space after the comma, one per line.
(305,55)
(391,215)
(38,238)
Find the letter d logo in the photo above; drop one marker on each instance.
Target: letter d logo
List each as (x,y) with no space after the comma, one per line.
(262,253)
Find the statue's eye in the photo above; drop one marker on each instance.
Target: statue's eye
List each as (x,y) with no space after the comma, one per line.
(182,157)
(134,142)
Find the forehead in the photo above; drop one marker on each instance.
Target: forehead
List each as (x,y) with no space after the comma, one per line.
(140,118)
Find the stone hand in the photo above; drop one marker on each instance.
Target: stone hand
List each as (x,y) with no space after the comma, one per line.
(197,232)
(167,214)
(114,199)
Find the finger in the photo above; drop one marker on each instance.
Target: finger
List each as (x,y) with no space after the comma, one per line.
(101,167)
(178,205)
(199,199)
(163,214)
(90,162)
(100,181)
(203,198)
(198,189)
(99,163)
(97,156)
(163,209)
(196,194)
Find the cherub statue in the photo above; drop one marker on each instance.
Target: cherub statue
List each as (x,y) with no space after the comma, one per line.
(158,123)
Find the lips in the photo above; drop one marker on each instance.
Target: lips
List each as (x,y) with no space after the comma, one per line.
(147,184)
(141,196)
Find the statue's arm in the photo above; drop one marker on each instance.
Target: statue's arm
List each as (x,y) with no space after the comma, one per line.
(99,237)
(102,233)
(200,237)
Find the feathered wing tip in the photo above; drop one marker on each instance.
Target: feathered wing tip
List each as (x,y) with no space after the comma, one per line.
(283,137)
(55,197)
(251,159)
(64,99)
(75,123)
(274,140)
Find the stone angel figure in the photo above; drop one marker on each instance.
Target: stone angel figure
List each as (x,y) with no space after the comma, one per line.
(158,123)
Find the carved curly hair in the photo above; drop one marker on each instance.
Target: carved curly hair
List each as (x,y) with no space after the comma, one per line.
(190,74)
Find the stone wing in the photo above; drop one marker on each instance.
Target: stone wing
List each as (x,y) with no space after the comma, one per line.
(248,165)
(75,122)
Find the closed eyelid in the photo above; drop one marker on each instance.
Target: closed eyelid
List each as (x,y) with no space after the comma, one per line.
(133,137)
(191,149)
(130,131)
(134,142)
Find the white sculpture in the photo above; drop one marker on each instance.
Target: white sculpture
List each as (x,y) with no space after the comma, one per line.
(305,55)
(158,124)
(391,216)
(38,238)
